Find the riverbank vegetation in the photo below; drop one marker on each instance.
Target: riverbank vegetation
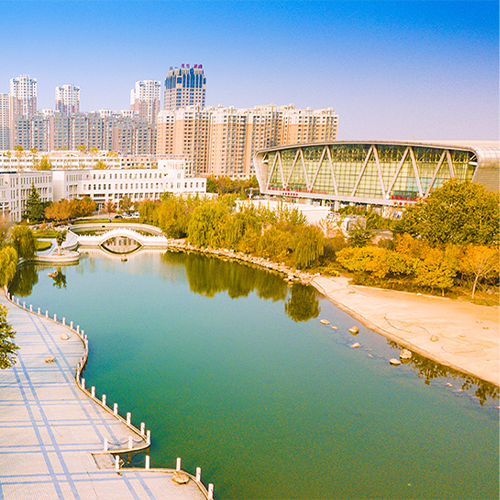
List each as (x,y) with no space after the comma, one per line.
(446,244)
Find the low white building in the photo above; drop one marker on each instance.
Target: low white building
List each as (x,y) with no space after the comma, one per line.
(15,188)
(137,183)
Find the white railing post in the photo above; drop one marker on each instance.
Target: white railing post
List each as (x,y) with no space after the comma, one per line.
(46,314)
(38,310)
(210,491)
(143,428)
(148,462)
(24,304)
(55,318)
(104,400)
(129,418)
(77,328)
(198,474)
(64,321)
(117,463)
(115,408)
(178,464)
(17,301)
(31,307)
(71,325)
(93,391)
(148,437)
(83,383)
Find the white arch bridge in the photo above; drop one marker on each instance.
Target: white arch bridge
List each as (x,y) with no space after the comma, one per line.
(147,241)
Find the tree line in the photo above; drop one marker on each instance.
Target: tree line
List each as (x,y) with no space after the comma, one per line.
(450,239)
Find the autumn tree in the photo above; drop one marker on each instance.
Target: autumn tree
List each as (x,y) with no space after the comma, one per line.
(109,207)
(479,262)
(437,270)
(58,211)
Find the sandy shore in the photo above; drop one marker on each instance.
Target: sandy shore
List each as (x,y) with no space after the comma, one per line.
(467,334)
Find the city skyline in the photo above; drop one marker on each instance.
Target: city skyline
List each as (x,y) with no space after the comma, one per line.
(394,70)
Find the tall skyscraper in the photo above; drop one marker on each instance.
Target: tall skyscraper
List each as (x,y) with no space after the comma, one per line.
(145,99)
(23,91)
(68,99)
(185,86)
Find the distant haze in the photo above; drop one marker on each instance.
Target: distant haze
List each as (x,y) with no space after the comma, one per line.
(391,70)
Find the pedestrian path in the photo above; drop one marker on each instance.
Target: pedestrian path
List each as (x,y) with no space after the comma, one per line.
(52,434)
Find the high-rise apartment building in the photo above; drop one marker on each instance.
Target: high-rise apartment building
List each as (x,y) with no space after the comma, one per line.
(145,99)
(6,121)
(68,99)
(222,141)
(185,86)
(23,90)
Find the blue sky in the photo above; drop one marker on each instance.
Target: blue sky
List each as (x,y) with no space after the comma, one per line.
(390,69)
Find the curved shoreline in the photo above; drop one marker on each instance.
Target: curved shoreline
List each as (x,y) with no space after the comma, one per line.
(468,335)
(144,436)
(460,335)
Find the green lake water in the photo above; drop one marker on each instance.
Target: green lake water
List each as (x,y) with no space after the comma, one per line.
(232,371)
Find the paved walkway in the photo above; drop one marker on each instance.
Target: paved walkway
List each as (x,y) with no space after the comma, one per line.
(464,336)
(52,434)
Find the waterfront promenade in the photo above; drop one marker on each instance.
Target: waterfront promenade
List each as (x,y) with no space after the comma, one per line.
(52,434)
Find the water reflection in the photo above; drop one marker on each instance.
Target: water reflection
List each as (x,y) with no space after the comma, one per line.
(25,279)
(59,279)
(302,304)
(121,245)
(209,275)
(430,370)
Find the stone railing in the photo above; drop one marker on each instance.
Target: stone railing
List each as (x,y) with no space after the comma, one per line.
(144,436)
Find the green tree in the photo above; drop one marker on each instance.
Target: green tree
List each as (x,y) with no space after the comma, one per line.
(308,244)
(24,242)
(126,203)
(206,226)
(459,212)
(359,236)
(34,210)
(60,239)
(8,349)
(8,264)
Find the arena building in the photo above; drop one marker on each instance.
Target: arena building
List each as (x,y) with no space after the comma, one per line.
(374,172)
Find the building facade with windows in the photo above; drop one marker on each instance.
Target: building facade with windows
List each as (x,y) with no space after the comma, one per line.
(374,172)
(138,184)
(185,86)
(15,188)
(68,99)
(23,90)
(145,99)
(222,140)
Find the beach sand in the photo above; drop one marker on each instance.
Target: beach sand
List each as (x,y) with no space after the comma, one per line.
(464,336)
